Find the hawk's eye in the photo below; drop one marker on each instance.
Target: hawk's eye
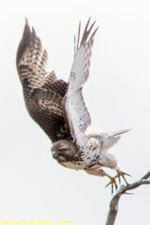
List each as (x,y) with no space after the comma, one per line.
(61,150)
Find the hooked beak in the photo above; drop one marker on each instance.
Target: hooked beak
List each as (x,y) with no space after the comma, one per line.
(55,155)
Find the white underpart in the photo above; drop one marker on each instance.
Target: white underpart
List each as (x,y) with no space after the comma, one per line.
(78,116)
(76,111)
(77,165)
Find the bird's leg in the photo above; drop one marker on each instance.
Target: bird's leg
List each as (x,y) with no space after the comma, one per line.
(113,179)
(112,182)
(108,160)
(121,174)
(101,173)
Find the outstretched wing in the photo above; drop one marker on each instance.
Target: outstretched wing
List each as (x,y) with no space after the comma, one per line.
(31,60)
(43,93)
(76,111)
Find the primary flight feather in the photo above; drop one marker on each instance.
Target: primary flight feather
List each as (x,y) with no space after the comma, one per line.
(59,108)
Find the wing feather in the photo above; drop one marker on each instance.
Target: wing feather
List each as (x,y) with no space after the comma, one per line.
(43,93)
(76,111)
(45,107)
(32,59)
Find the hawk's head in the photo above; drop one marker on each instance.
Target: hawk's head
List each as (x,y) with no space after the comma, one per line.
(64,151)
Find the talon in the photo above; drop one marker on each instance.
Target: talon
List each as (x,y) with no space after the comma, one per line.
(112,183)
(113,179)
(122,174)
(119,179)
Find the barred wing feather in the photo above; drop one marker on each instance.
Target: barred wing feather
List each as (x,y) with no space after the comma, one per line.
(43,92)
(77,114)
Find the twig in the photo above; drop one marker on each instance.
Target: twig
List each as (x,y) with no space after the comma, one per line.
(146,176)
(115,200)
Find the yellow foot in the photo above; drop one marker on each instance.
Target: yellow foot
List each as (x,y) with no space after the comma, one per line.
(121,174)
(112,183)
(113,179)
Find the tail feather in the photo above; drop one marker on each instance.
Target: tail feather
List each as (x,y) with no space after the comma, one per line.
(111,138)
(116,133)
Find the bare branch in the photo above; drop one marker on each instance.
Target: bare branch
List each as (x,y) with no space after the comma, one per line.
(146,176)
(123,190)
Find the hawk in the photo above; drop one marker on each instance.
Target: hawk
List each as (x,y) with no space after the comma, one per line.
(59,108)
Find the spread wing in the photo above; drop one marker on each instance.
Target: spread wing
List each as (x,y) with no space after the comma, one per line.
(31,60)
(43,93)
(76,111)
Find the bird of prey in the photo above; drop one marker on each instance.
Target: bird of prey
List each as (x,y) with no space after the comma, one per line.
(59,108)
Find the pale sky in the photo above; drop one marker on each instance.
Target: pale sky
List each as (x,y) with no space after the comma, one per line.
(33,185)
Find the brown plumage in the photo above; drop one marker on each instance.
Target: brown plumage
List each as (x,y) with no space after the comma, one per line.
(59,108)
(43,92)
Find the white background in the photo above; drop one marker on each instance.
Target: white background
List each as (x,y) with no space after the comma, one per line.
(32,184)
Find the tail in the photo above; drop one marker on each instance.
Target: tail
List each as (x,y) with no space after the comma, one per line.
(116,133)
(111,138)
